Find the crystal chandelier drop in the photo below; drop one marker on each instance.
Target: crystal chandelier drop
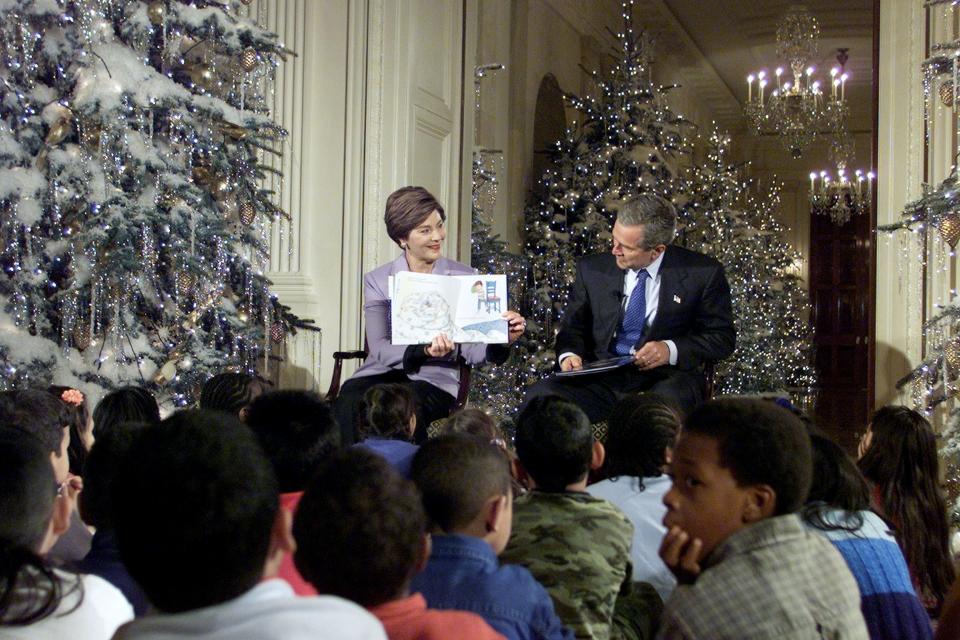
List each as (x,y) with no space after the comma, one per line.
(798,107)
(845,196)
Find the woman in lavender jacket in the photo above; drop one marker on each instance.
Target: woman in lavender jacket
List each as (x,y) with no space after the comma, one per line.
(415,221)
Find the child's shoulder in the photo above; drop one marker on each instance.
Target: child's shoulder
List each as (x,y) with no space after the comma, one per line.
(559,510)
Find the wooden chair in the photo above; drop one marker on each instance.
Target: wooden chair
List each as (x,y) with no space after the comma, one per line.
(339,356)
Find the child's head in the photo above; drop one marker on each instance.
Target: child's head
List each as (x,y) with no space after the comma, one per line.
(360,529)
(297,431)
(475,422)
(736,462)
(43,416)
(836,480)
(231,392)
(28,495)
(105,458)
(900,458)
(465,484)
(389,411)
(899,446)
(196,511)
(126,404)
(555,443)
(641,431)
(837,484)
(34,515)
(81,425)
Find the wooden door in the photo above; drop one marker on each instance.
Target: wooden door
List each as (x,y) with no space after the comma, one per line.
(841,285)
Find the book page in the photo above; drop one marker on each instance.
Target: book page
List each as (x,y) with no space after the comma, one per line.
(466,308)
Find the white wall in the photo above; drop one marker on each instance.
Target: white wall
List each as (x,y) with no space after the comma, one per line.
(309,100)
(372,102)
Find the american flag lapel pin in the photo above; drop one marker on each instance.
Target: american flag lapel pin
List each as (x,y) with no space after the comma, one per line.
(676,299)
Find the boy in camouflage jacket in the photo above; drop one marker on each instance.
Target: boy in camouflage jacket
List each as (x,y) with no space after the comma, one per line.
(575,545)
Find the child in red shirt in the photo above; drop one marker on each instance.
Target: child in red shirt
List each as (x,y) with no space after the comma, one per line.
(362,535)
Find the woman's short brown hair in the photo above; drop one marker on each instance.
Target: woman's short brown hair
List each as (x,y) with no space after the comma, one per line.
(407,208)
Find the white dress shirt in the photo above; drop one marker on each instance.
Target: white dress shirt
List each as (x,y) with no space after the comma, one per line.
(94,616)
(645,509)
(652,302)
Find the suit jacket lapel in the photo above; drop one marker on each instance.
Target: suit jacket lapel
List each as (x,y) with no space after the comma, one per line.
(612,291)
(672,276)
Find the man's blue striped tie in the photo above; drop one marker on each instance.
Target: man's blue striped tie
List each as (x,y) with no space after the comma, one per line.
(630,331)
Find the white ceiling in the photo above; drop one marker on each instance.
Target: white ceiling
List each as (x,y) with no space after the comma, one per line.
(718,42)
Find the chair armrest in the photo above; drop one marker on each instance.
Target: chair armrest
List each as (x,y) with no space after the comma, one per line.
(338,357)
(709,373)
(464,389)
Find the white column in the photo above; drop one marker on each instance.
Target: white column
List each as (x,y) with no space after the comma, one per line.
(900,142)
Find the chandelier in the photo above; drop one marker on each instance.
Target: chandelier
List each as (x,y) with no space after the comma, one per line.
(845,196)
(798,107)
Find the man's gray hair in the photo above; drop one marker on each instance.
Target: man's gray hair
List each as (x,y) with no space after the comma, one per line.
(658,217)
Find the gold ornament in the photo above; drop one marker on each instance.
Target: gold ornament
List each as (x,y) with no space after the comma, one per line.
(946,93)
(247,213)
(952,354)
(277,332)
(157,12)
(249,59)
(234,131)
(202,175)
(919,393)
(242,316)
(58,131)
(185,281)
(81,336)
(201,75)
(950,229)
(166,373)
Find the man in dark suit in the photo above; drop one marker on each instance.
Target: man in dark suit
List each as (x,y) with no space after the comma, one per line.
(667,307)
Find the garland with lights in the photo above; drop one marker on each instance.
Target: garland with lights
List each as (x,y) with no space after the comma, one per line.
(134,141)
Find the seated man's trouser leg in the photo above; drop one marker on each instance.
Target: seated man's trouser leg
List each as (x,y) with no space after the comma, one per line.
(597,393)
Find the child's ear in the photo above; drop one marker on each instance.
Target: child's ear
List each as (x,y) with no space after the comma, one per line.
(598,456)
(494,510)
(520,474)
(761,503)
(59,521)
(426,546)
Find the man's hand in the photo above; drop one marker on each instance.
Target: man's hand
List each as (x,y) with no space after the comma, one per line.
(652,355)
(681,554)
(571,363)
(516,323)
(441,346)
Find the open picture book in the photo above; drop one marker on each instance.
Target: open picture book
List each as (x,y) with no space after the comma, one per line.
(466,308)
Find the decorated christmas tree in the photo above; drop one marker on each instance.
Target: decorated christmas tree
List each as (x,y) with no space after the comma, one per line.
(629,141)
(133,138)
(721,216)
(496,388)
